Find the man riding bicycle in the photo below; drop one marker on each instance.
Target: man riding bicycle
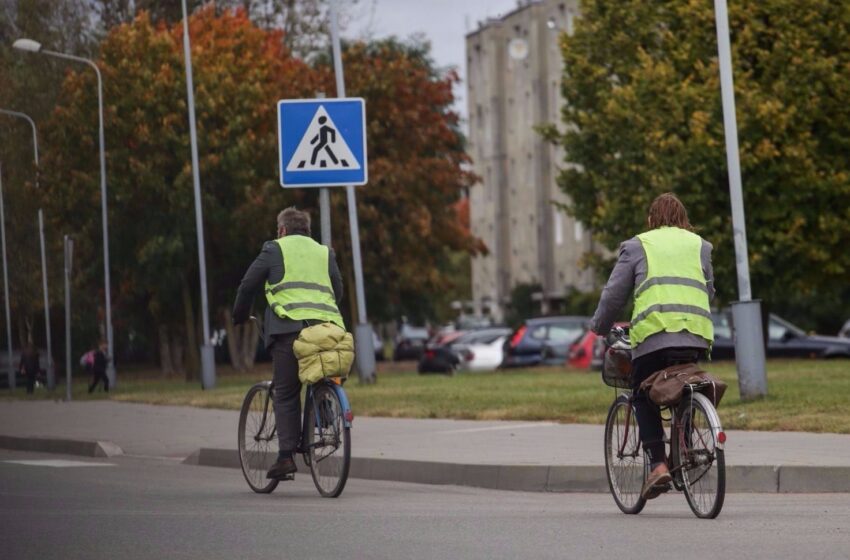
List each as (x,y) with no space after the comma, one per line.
(668,269)
(302,283)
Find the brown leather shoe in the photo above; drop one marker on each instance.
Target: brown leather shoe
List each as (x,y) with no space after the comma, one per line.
(655,485)
(282,470)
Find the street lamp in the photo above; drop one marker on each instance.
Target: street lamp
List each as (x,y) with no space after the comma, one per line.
(51,380)
(34,46)
(11,371)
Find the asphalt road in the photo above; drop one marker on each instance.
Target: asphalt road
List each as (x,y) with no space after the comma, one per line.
(157,508)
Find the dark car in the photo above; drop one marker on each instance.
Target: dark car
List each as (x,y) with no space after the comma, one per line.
(784,340)
(543,340)
(410,343)
(444,356)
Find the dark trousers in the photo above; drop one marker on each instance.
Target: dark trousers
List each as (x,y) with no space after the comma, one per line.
(31,377)
(287,392)
(647,413)
(98,377)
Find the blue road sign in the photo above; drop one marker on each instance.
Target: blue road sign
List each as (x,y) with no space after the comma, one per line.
(322,142)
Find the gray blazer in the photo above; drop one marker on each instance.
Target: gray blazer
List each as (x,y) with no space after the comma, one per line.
(630,272)
(268,266)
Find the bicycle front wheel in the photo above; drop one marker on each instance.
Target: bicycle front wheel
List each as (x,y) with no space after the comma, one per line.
(328,441)
(702,463)
(624,459)
(257,438)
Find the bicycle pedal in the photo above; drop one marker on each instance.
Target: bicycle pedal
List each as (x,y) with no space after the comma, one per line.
(284,478)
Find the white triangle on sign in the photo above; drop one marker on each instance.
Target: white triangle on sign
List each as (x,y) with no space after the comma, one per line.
(322,148)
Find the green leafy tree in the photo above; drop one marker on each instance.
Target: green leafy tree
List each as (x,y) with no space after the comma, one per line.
(642,115)
(31,84)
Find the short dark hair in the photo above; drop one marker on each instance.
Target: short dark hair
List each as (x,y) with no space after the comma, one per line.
(295,221)
(668,210)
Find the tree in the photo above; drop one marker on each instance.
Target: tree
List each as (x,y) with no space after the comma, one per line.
(642,115)
(240,71)
(408,220)
(31,85)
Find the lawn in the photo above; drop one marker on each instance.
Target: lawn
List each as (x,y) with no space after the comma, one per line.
(804,395)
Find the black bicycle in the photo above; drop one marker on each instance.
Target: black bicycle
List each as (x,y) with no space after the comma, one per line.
(693,434)
(325,438)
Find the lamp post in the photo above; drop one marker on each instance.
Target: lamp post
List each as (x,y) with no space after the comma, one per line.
(51,379)
(33,46)
(6,284)
(207,353)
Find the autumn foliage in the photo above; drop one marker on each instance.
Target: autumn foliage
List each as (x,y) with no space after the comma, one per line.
(409,227)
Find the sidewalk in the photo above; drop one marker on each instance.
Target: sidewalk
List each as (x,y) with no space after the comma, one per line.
(508,455)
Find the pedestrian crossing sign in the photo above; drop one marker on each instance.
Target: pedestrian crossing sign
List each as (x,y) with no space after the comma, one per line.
(322,142)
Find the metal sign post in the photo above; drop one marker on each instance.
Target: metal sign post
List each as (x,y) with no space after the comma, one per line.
(69,256)
(746,313)
(364,343)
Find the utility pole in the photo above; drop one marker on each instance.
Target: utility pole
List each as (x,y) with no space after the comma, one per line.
(207,354)
(746,313)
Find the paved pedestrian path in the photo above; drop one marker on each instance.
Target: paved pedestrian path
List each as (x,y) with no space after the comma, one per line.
(534,456)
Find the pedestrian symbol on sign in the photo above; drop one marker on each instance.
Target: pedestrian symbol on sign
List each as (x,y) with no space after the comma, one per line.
(321,147)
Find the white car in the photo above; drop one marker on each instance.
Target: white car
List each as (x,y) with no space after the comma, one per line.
(482,356)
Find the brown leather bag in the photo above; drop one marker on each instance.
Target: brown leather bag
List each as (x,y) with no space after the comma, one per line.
(666,387)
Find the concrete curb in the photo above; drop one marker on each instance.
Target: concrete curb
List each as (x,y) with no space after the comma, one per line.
(62,446)
(557,478)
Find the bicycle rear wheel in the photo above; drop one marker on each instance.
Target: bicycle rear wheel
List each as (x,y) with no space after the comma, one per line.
(624,458)
(328,441)
(703,465)
(257,438)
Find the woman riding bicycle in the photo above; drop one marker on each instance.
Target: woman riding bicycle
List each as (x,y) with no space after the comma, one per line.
(668,269)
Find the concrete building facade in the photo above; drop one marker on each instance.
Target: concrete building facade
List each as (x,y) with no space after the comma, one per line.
(514,69)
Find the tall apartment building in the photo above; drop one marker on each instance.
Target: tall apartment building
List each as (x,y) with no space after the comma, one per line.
(514,69)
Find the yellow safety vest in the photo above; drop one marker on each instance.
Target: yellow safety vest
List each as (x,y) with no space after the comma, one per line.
(674,296)
(306,292)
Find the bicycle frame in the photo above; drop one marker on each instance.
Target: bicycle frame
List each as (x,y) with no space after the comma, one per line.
(677,434)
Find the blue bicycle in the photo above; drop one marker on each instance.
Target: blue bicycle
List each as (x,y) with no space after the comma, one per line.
(325,438)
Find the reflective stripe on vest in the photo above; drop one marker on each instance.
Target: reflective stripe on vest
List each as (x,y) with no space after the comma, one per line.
(305,292)
(674,296)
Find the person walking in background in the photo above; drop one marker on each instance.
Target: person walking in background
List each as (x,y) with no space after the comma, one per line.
(29,366)
(98,368)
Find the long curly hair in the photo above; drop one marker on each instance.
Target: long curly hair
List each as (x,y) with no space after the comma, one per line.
(668,210)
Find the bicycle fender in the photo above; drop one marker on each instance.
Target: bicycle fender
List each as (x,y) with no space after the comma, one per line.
(713,418)
(347,415)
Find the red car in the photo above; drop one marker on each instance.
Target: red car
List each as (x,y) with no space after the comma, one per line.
(581,351)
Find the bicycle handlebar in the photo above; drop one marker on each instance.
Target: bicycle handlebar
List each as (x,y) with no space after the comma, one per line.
(617,334)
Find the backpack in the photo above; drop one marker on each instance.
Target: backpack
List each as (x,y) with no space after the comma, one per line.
(87,360)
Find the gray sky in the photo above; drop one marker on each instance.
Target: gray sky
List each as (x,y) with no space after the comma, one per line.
(444,23)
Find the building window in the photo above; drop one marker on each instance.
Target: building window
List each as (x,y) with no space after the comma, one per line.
(558,227)
(578,231)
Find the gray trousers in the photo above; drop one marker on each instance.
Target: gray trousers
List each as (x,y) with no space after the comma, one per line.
(287,392)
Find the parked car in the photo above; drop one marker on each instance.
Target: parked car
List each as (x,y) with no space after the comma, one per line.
(444,356)
(410,343)
(582,351)
(482,356)
(845,330)
(525,346)
(784,340)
